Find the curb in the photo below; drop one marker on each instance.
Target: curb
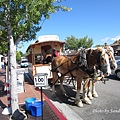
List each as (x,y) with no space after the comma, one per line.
(55,110)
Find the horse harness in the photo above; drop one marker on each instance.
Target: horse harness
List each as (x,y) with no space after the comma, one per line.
(81,64)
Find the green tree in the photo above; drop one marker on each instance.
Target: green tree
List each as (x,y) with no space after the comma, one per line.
(18,55)
(85,42)
(20,20)
(98,45)
(3,47)
(73,43)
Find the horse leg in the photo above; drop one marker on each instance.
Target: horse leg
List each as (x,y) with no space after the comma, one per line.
(53,82)
(78,102)
(53,91)
(89,91)
(74,83)
(61,86)
(85,97)
(94,93)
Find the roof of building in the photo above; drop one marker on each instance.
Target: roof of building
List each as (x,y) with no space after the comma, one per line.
(116,43)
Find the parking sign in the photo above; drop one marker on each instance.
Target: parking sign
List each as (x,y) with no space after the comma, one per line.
(40,80)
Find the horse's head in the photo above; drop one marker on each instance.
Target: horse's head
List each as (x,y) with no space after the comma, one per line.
(104,61)
(112,61)
(98,57)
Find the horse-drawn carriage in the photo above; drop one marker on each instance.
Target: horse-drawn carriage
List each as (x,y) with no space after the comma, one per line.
(40,51)
(80,66)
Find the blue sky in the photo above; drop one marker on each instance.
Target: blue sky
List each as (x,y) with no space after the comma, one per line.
(98,19)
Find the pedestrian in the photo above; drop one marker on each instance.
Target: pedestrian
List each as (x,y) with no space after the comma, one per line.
(2,63)
(5,62)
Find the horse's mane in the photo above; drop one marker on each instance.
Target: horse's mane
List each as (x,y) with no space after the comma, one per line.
(111,49)
(101,49)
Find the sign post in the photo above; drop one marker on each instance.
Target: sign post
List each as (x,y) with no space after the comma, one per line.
(40,80)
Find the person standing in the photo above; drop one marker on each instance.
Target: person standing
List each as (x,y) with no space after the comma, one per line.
(2,63)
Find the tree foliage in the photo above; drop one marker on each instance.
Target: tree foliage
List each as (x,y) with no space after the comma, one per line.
(26,17)
(73,43)
(3,47)
(99,45)
(18,56)
(20,20)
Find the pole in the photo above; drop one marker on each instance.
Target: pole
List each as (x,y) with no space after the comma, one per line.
(42,103)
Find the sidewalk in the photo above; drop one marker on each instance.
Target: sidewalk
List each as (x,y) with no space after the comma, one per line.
(50,112)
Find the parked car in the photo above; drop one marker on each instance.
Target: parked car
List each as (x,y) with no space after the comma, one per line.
(24,63)
(117,71)
(117,58)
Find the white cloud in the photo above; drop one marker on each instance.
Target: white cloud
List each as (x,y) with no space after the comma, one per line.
(110,38)
(115,38)
(105,39)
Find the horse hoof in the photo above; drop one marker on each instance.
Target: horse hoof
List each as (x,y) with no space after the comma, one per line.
(79,104)
(90,97)
(87,101)
(95,95)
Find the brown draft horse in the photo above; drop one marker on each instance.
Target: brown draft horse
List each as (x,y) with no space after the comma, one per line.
(109,50)
(76,66)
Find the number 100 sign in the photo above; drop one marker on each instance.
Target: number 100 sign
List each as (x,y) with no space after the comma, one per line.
(40,80)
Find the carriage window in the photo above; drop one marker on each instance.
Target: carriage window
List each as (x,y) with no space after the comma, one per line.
(38,58)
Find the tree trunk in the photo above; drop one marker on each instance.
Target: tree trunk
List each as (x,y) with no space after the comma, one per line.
(13,76)
(12,62)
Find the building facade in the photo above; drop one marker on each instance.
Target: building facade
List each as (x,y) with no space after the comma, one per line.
(116,47)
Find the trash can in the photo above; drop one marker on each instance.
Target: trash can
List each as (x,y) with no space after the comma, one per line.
(36,108)
(29,102)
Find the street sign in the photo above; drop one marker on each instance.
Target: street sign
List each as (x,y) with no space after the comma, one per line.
(20,82)
(40,80)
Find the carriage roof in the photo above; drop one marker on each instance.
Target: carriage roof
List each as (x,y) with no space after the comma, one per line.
(47,40)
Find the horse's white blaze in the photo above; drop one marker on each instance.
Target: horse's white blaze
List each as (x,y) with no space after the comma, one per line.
(112,53)
(108,64)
